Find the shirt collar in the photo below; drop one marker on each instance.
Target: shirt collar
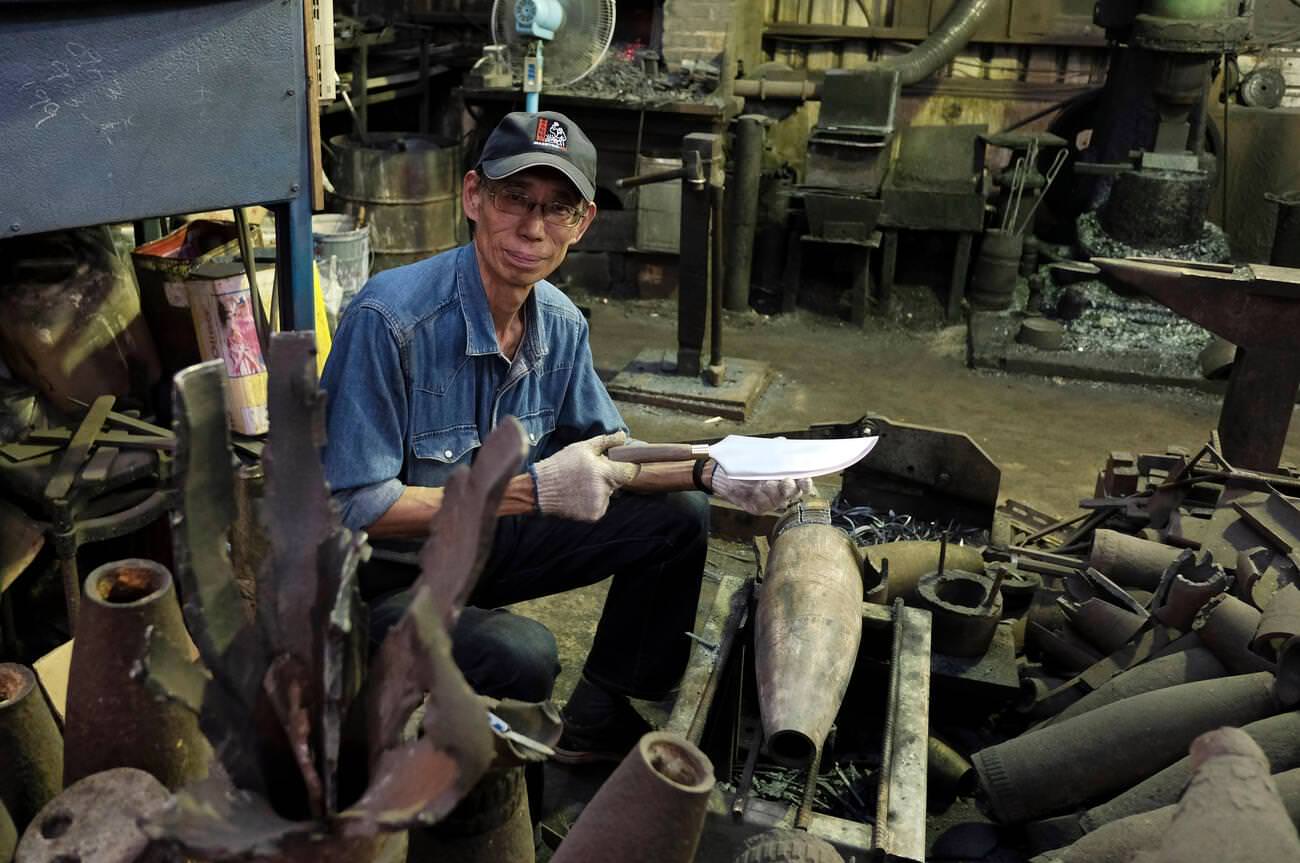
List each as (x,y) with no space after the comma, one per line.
(480,335)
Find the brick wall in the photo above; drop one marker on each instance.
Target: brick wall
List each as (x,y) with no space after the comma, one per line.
(697,29)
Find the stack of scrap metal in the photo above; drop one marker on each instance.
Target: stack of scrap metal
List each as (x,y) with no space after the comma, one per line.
(1169,606)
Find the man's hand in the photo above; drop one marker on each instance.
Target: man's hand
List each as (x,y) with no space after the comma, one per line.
(577,481)
(762,495)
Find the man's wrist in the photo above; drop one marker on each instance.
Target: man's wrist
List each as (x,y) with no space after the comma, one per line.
(521,495)
(702,474)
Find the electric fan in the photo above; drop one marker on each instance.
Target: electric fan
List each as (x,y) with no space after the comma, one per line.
(576,34)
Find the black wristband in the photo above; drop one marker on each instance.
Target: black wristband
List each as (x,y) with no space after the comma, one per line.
(697,476)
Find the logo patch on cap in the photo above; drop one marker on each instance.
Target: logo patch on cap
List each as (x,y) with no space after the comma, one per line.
(551,133)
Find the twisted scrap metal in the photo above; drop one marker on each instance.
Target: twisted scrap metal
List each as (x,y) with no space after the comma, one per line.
(870,526)
(276,692)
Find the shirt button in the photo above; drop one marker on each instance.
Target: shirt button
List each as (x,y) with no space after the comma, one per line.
(532,436)
(446,453)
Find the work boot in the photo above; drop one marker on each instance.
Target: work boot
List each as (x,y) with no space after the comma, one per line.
(598,726)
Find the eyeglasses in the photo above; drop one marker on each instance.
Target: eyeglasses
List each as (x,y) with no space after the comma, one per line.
(514,202)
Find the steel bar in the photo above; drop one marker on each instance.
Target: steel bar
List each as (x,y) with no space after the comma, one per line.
(78,450)
(250,272)
(693,267)
(124,440)
(717,280)
(900,812)
(747,170)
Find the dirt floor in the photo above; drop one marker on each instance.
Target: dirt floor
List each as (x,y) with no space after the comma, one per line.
(1050,436)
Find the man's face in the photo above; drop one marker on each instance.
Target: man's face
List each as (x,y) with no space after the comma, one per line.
(519,249)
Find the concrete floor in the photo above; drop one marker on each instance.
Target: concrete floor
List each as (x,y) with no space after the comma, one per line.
(1050,436)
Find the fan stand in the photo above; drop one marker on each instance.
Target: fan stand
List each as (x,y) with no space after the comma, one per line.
(533,77)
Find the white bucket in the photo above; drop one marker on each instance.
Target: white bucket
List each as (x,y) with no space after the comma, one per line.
(342,253)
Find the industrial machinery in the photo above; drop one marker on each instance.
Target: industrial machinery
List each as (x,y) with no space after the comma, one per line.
(1157,174)
(576,35)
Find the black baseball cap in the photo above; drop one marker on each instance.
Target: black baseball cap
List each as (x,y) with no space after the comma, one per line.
(524,140)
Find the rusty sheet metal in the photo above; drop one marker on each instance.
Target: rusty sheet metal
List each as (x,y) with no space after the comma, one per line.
(297,507)
(214,613)
(929,472)
(422,780)
(78,450)
(901,801)
(214,820)
(419,782)
(451,569)
(276,703)
(1274,516)
(312,566)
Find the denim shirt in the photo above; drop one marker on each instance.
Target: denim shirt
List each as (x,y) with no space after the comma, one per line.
(416,381)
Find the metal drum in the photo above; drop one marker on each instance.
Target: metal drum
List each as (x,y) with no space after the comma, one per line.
(409,186)
(993,280)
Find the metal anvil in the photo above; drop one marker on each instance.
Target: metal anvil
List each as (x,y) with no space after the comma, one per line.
(1257,308)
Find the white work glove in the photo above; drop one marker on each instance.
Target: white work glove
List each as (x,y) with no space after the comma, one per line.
(757,496)
(577,481)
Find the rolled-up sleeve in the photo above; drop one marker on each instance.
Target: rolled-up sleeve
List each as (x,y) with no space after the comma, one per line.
(366,417)
(587,409)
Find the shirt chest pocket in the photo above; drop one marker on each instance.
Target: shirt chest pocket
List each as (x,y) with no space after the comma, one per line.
(537,426)
(438,452)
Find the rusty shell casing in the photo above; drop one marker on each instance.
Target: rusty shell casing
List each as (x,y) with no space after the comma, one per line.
(807,631)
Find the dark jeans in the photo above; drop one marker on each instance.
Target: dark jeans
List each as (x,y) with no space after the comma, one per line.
(653,545)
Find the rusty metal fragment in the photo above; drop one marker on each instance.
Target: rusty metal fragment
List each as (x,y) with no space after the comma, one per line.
(1101,611)
(113,720)
(1280,621)
(282,686)
(420,781)
(96,820)
(966,607)
(1189,582)
(214,820)
(31,747)
(1275,517)
(451,569)
(663,781)
(1231,809)
(214,615)
(1288,673)
(1226,625)
(807,629)
(1128,560)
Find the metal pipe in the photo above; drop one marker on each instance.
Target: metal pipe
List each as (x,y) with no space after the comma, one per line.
(942,45)
(763,89)
(744,210)
(718,275)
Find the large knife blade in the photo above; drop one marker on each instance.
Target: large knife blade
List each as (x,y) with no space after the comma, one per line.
(755,458)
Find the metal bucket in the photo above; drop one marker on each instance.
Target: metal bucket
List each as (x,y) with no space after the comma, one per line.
(342,253)
(993,279)
(409,186)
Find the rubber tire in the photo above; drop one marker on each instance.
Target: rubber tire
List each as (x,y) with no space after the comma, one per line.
(787,846)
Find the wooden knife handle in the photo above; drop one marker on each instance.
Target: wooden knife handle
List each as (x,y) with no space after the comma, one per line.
(648,453)
(662,477)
